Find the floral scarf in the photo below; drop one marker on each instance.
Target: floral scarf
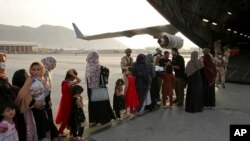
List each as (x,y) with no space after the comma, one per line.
(93,69)
(49,64)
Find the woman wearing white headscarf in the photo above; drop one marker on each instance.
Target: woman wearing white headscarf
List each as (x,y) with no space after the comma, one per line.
(49,64)
(99,111)
(194,101)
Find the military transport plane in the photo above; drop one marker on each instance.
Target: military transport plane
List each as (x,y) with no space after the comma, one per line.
(164,34)
(203,22)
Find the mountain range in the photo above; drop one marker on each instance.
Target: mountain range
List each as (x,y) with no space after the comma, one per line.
(54,37)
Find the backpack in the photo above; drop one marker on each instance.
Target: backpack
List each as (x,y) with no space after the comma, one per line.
(104,76)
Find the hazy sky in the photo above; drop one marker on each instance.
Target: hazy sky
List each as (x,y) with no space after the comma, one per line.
(91,16)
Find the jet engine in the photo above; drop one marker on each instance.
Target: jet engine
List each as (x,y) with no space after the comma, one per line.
(168,41)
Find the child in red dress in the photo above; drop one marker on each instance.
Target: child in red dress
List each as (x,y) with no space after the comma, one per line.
(64,110)
(131,96)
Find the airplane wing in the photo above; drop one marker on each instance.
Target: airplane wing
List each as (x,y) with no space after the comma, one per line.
(154,31)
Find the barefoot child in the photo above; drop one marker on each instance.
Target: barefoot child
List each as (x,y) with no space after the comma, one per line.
(119,100)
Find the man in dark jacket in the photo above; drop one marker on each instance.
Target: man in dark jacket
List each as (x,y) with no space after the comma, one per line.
(180,77)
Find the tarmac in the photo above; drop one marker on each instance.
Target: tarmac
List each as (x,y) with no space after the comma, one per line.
(232,107)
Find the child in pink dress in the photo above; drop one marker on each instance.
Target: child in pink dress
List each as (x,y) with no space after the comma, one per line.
(8,111)
(131,96)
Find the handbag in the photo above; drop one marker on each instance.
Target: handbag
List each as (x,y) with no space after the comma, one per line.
(99,94)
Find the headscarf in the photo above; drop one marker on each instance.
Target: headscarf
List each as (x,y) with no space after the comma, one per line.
(151,67)
(209,69)
(40,64)
(149,58)
(18,78)
(49,64)
(141,58)
(140,68)
(93,69)
(194,64)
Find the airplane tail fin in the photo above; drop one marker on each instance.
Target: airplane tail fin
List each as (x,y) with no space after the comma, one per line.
(77,31)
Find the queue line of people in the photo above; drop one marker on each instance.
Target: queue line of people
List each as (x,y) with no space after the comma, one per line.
(198,77)
(142,83)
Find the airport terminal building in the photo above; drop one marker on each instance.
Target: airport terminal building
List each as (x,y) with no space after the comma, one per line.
(17,47)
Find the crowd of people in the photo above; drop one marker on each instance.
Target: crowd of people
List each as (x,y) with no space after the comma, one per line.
(156,79)
(149,82)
